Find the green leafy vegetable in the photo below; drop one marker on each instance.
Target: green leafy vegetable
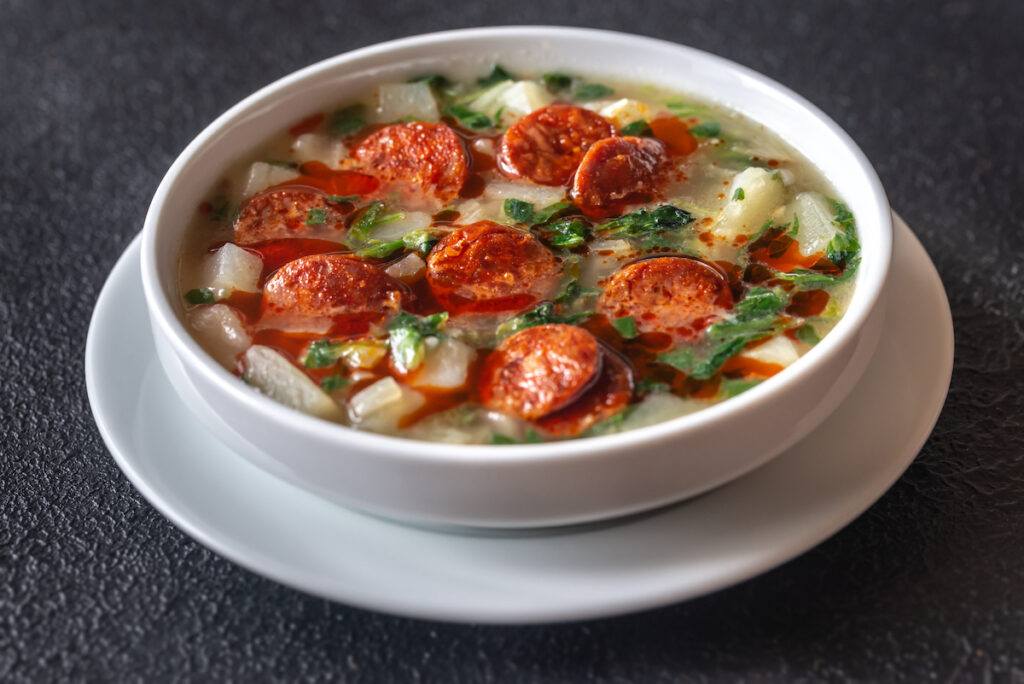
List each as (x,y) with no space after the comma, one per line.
(436,81)
(347,120)
(813,280)
(794,227)
(518,210)
(552,211)
(648,386)
(540,315)
(807,334)
(626,327)
(317,216)
(371,217)
(221,210)
(333,383)
(638,128)
(379,249)
(556,81)
(566,233)
(707,129)
(733,386)
(586,92)
(610,425)
(844,246)
(365,353)
(200,295)
(754,317)
(530,436)
(467,117)
(419,241)
(644,222)
(497,75)
(739,194)
(407,334)
(321,354)
(338,199)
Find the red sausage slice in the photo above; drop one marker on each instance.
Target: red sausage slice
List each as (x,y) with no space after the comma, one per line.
(616,171)
(675,295)
(329,286)
(609,394)
(539,370)
(487,267)
(428,156)
(288,212)
(547,145)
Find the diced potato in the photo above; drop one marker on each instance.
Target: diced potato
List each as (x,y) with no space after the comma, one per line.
(473,210)
(753,195)
(262,175)
(319,148)
(408,269)
(538,195)
(626,111)
(816,228)
(221,331)
(230,269)
(406,101)
(396,229)
(779,350)
(382,405)
(445,367)
(659,407)
(512,99)
(468,425)
(275,376)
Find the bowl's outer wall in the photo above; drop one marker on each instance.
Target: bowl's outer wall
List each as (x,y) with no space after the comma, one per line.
(509,487)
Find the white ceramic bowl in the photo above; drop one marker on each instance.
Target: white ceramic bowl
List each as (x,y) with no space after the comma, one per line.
(522,485)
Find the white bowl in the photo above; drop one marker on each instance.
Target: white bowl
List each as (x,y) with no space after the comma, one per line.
(520,485)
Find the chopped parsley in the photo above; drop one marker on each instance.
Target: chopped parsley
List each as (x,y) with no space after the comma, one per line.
(497,75)
(732,386)
(200,295)
(739,194)
(707,129)
(626,327)
(347,120)
(372,216)
(419,241)
(379,249)
(333,383)
(467,117)
(436,81)
(844,247)
(556,81)
(648,386)
(646,222)
(317,216)
(530,436)
(639,128)
(407,336)
(566,233)
(807,334)
(321,354)
(756,316)
(541,315)
(518,210)
(585,92)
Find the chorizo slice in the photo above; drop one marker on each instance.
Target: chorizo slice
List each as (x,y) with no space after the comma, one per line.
(428,156)
(486,267)
(547,145)
(610,393)
(616,171)
(287,212)
(675,295)
(331,286)
(539,370)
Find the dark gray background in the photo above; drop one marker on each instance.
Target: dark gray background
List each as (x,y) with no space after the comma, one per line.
(97,98)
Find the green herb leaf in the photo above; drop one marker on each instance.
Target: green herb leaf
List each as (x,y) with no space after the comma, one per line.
(807,334)
(321,354)
(497,75)
(814,280)
(317,216)
(221,210)
(518,210)
(419,241)
(338,199)
(380,249)
(530,436)
(586,92)
(707,129)
(556,81)
(436,81)
(648,386)
(756,316)
(844,246)
(638,128)
(739,194)
(502,439)
(406,338)
(467,117)
(347,120)
(540,315)
(732,386)
(566,233)
(200,295)
(552,211)
(610,425)
(333,383)
(644,222)
(626,327)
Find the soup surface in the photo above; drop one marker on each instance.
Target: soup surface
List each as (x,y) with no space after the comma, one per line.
(515,259)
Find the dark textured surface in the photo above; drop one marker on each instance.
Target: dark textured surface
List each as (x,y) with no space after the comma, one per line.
(97,98)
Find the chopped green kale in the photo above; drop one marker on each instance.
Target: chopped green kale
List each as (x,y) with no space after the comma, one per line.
(556,81)
(347,120)
(585,92)
(407,336)
(467,117)
(200,295)
(626,327)
(639,128)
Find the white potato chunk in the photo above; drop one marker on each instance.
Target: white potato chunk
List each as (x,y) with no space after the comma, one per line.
(382,405)
(275,376)
(232,268)
(753,196)
(512,99)
(468,425)
(626,111)
(221,332)
(779,350)
(816,227)
(317,147)
(262,175)
(408,269)
(445,367)
(659,407)
(473,210)
(405,101)
(406,223)
(538,195)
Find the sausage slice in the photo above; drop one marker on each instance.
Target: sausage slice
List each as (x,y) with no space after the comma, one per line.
(331,285)
(428,156)
(488,267)
(288,212)
(616,171)
(676,295)
(610,393)
(547,145)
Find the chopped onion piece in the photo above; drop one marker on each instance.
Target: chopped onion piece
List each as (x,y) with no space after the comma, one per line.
(262,175)
(779,350)
(445,367)
(318,147)
(538,195)
(753,195)
(816,228)
(232,268)
(382,405)
(405,101)
(275,376)
(408,269)
(220,329)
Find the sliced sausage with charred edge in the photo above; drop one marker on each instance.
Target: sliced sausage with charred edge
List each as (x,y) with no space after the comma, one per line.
(616,171)
(287,212)
(610,393)
(429,156)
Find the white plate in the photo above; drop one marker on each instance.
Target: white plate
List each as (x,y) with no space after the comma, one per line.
(693,548)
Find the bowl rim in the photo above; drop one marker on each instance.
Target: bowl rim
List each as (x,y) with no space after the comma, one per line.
(865,297)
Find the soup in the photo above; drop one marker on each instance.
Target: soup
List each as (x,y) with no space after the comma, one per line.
(516,259)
